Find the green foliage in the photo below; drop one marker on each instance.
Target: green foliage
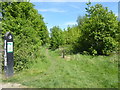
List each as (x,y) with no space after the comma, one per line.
(64,40)
(28,29)
(72,34)
(56,37)
(81,20)
(99,31)
(118,34)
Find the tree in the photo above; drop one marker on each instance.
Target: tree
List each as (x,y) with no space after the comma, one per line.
(28,28)
(73,33)
(56,37)
(118,36)
(98,31)
(81,20)
(70,37)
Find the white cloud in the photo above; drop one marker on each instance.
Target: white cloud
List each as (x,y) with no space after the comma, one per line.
(51,10)
(74,0)
(70,23)
(74,6)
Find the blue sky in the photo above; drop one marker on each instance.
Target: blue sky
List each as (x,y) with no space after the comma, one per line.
(63,14)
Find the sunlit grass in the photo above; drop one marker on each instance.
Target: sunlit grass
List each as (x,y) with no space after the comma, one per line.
(75,71)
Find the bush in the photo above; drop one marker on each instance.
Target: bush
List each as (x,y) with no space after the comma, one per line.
(99,31)
(28,29)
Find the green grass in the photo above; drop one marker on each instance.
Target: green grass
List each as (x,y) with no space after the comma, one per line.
(75,71)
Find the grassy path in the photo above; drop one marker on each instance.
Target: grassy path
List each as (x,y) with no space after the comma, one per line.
(52,66)
(80,71)
(53,61)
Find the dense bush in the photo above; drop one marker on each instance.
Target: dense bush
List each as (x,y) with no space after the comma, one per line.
(98,31)
(28,29)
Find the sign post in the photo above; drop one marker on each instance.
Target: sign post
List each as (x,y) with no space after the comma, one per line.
(8,54)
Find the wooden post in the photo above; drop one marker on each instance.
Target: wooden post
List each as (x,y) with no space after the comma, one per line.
(63,54)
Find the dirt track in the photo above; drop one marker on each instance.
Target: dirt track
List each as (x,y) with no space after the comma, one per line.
(11,85)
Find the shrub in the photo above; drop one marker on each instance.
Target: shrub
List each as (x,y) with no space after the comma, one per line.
(28,29)
(99,31)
